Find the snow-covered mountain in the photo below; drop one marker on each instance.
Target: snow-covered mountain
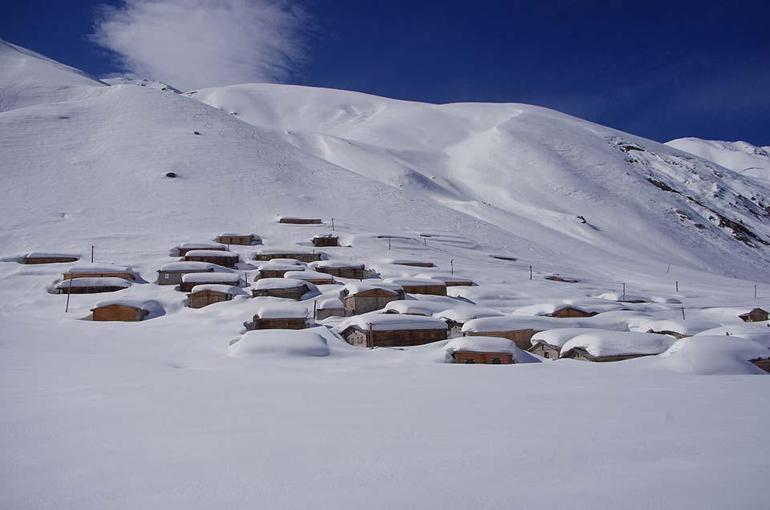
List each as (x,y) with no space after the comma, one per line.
(741,157)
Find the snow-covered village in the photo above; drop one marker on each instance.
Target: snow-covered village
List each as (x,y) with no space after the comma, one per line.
(224,285)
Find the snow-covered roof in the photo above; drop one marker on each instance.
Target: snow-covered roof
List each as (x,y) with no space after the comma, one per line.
(613,343)
(286,261)
(280,311)
(290,343)
(107,281)
(279,283)
(446,278)
(218,287)
(211,253)
(560,336)
(336,264)
(272,265)
(683,327)
(211,277)
(239,234)
(414,307)
(391,322)
(329,303)
(757,332)
(98,268)
(202,246)
(191,265)
(462,314)
(281,250)
(354,288)
(46,254)
(480,344)
(325,236)
(409,262)
(308,275)
(415,282)
(707,355)
(514,323)
(623,298)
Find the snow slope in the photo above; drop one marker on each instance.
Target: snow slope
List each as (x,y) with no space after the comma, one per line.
(741,157)
(185,411)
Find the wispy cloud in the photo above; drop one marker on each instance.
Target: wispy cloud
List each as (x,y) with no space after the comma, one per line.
(193,44)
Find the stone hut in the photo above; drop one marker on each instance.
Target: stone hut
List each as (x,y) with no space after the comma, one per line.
(391,330)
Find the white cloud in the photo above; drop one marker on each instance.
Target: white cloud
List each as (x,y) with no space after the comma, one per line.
(193,44)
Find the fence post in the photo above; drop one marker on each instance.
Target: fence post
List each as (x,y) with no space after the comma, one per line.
(530,272)
(92,254)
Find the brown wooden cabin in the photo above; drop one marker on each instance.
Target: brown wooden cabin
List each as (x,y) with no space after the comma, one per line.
(172,274)
(119,312)
(295,292)
(545,350)
(763,363)
(353,271)
(48,258)
(326,312)
(326,240)
(369,300)
(311,277)
(205,297)
(190,281)
(239,239)
(187,247)
(276,323)
(219,257)
(357,336)
(302,256)
(520,337)
(91,285)
(430,288)
(489,358)
(299,221)
(562,279)
(460,282)
(568,311)
(583,355)
(276,270)
(755,315)
(106,273)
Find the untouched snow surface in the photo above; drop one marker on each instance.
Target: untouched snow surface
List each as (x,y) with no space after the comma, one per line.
(186,411)
(741,157)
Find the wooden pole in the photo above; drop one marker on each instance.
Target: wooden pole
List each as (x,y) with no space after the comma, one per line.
(452,266)
(755,291)
(530,272)
(69,292)
(92,254)
(677,285)
(315,309)
(332,224)
(388,244)
(683,316)
(370,338)
(668,268)
(624,291)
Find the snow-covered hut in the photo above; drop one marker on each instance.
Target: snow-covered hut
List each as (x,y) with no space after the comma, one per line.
(391,330)
(126,310)
(99,271)
(450,280)
(278,317)
(329,307)
(563,311)
(420,285)
(340,269)
(295,220)
(182,249)
(480,350)
(411,262)
(548,343)
(755,315)
(369,296)
(314,277)
(91,285)
(171,273)
(288,253)
(277,268)
(240,239)
(220,257)
(414,307)
(518,329)
(457,317)
(38,257)
(192,279)
(288,288)
(604,346)
(325,240)
(210,293)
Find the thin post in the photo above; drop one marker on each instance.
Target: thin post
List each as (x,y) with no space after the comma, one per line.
(389,244)
(332,224)
(530,272)
(624,291)
(677,285)
(92,254)
(425,241)
(69,292)
(452,268)
(668,268)
(755,291)
(370,338)
(683,316)
(315,309)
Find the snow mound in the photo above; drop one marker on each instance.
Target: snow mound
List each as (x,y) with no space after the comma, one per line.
(487,344)
(755,332)
(281,342)
(708,355)
(617,343)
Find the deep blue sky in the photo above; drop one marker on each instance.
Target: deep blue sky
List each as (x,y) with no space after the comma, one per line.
(658,69)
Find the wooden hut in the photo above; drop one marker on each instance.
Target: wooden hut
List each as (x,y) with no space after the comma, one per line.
(566,311)
(48,258)
(545,350)
(325,240)
(294,220)
(411,262)
(288,253)
(193,279)
(124,310)
(607,346)
(456,317)
(755,315)
(763,363)
(278,318)
(91,285)
(287,288)
(182,249)
(239,239)
(518,329)
(314,277)
(361,298)
(420,285)
(208,294)
(276,269)
(172,273)
(219,257)
(392,330)
(450,280)
(480,350)
(329,307)
(99,271)
(340,269)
